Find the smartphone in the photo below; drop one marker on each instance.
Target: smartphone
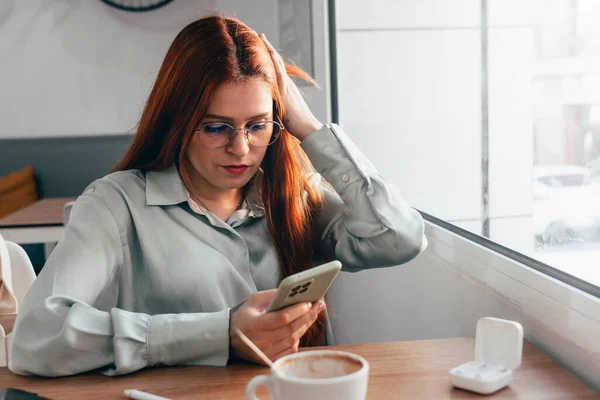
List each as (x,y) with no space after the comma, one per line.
(19,394)
(310,285)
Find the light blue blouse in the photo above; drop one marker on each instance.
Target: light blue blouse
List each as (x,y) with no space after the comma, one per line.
(143,276)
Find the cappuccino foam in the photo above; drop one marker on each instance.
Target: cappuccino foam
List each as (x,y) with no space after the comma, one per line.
(320,366)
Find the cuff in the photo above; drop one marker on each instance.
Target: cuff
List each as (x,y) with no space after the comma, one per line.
(129,341)
(199,338)
(232,356)
(334,156)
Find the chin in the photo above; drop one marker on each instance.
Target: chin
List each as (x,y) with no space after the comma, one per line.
(237,182)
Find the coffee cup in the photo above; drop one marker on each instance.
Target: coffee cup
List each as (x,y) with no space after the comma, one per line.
(315,375)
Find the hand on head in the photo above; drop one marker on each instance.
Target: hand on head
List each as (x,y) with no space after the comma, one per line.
(299,120)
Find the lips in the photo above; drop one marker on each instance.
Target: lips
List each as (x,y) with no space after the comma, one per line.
(235,169)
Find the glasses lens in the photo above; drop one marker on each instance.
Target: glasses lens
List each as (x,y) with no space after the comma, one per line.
(263,133)
(215,135)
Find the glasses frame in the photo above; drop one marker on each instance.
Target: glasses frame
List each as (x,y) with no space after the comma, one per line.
(234,133)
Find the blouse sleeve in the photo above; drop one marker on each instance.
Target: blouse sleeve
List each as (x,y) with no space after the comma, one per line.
(69,322)
(364,222)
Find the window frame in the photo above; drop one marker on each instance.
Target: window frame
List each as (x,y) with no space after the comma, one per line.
(514,255)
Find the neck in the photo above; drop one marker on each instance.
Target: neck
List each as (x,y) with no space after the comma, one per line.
(206,193)
(222,204)
(224,199)
(230,196)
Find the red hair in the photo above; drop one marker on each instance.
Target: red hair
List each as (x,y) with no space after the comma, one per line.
(205,54)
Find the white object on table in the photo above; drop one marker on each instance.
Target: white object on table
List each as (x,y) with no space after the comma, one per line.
(139,395)
(286,386)
(498,351)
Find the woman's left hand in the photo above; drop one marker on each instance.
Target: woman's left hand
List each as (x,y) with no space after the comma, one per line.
(299,120)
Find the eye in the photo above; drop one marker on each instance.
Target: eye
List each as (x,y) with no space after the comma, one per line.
(215,129)
(258,127)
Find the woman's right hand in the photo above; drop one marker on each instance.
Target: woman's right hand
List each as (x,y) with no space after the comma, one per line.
(276,333)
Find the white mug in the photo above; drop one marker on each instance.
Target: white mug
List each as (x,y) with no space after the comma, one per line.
(315,375)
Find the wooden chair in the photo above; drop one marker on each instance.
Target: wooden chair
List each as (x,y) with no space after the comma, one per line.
(16,276)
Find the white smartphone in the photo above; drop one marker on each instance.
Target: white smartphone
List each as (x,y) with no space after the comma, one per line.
(310,285)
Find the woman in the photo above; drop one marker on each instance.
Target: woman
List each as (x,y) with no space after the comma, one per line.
(212,206)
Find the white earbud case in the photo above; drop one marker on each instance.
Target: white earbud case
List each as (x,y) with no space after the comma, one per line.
(498,350)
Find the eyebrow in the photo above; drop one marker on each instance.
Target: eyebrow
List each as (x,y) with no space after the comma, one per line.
(229,119)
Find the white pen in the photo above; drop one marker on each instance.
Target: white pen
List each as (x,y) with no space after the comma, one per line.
(139,395)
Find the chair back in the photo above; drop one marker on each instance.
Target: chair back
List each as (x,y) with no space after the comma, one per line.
(16,277)
(8,300)
(22,271)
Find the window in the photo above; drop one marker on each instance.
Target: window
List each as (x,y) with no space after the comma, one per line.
(487,115)
(566,121)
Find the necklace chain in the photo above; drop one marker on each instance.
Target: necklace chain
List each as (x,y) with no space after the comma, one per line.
(204,205)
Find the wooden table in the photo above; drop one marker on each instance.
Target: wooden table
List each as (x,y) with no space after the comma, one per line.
(399,370)
(40,222)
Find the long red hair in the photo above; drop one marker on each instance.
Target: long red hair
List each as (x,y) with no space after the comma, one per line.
(205,54)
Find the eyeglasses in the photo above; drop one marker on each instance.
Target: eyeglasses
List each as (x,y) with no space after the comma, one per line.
(215,135)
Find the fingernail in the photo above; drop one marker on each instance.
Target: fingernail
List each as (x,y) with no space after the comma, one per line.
(321,306)
(308,305)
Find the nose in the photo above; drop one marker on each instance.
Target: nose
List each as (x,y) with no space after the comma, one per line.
(239,146)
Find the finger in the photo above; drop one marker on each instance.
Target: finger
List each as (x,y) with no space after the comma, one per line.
(274,54)
(282,345)
(286,335)
(276,58)
(291,338)
(290,350)
(262,299)
(274,320)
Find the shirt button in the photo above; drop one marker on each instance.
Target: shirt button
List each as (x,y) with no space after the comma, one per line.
(345,178)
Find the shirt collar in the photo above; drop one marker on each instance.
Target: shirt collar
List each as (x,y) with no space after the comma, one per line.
(166,187)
